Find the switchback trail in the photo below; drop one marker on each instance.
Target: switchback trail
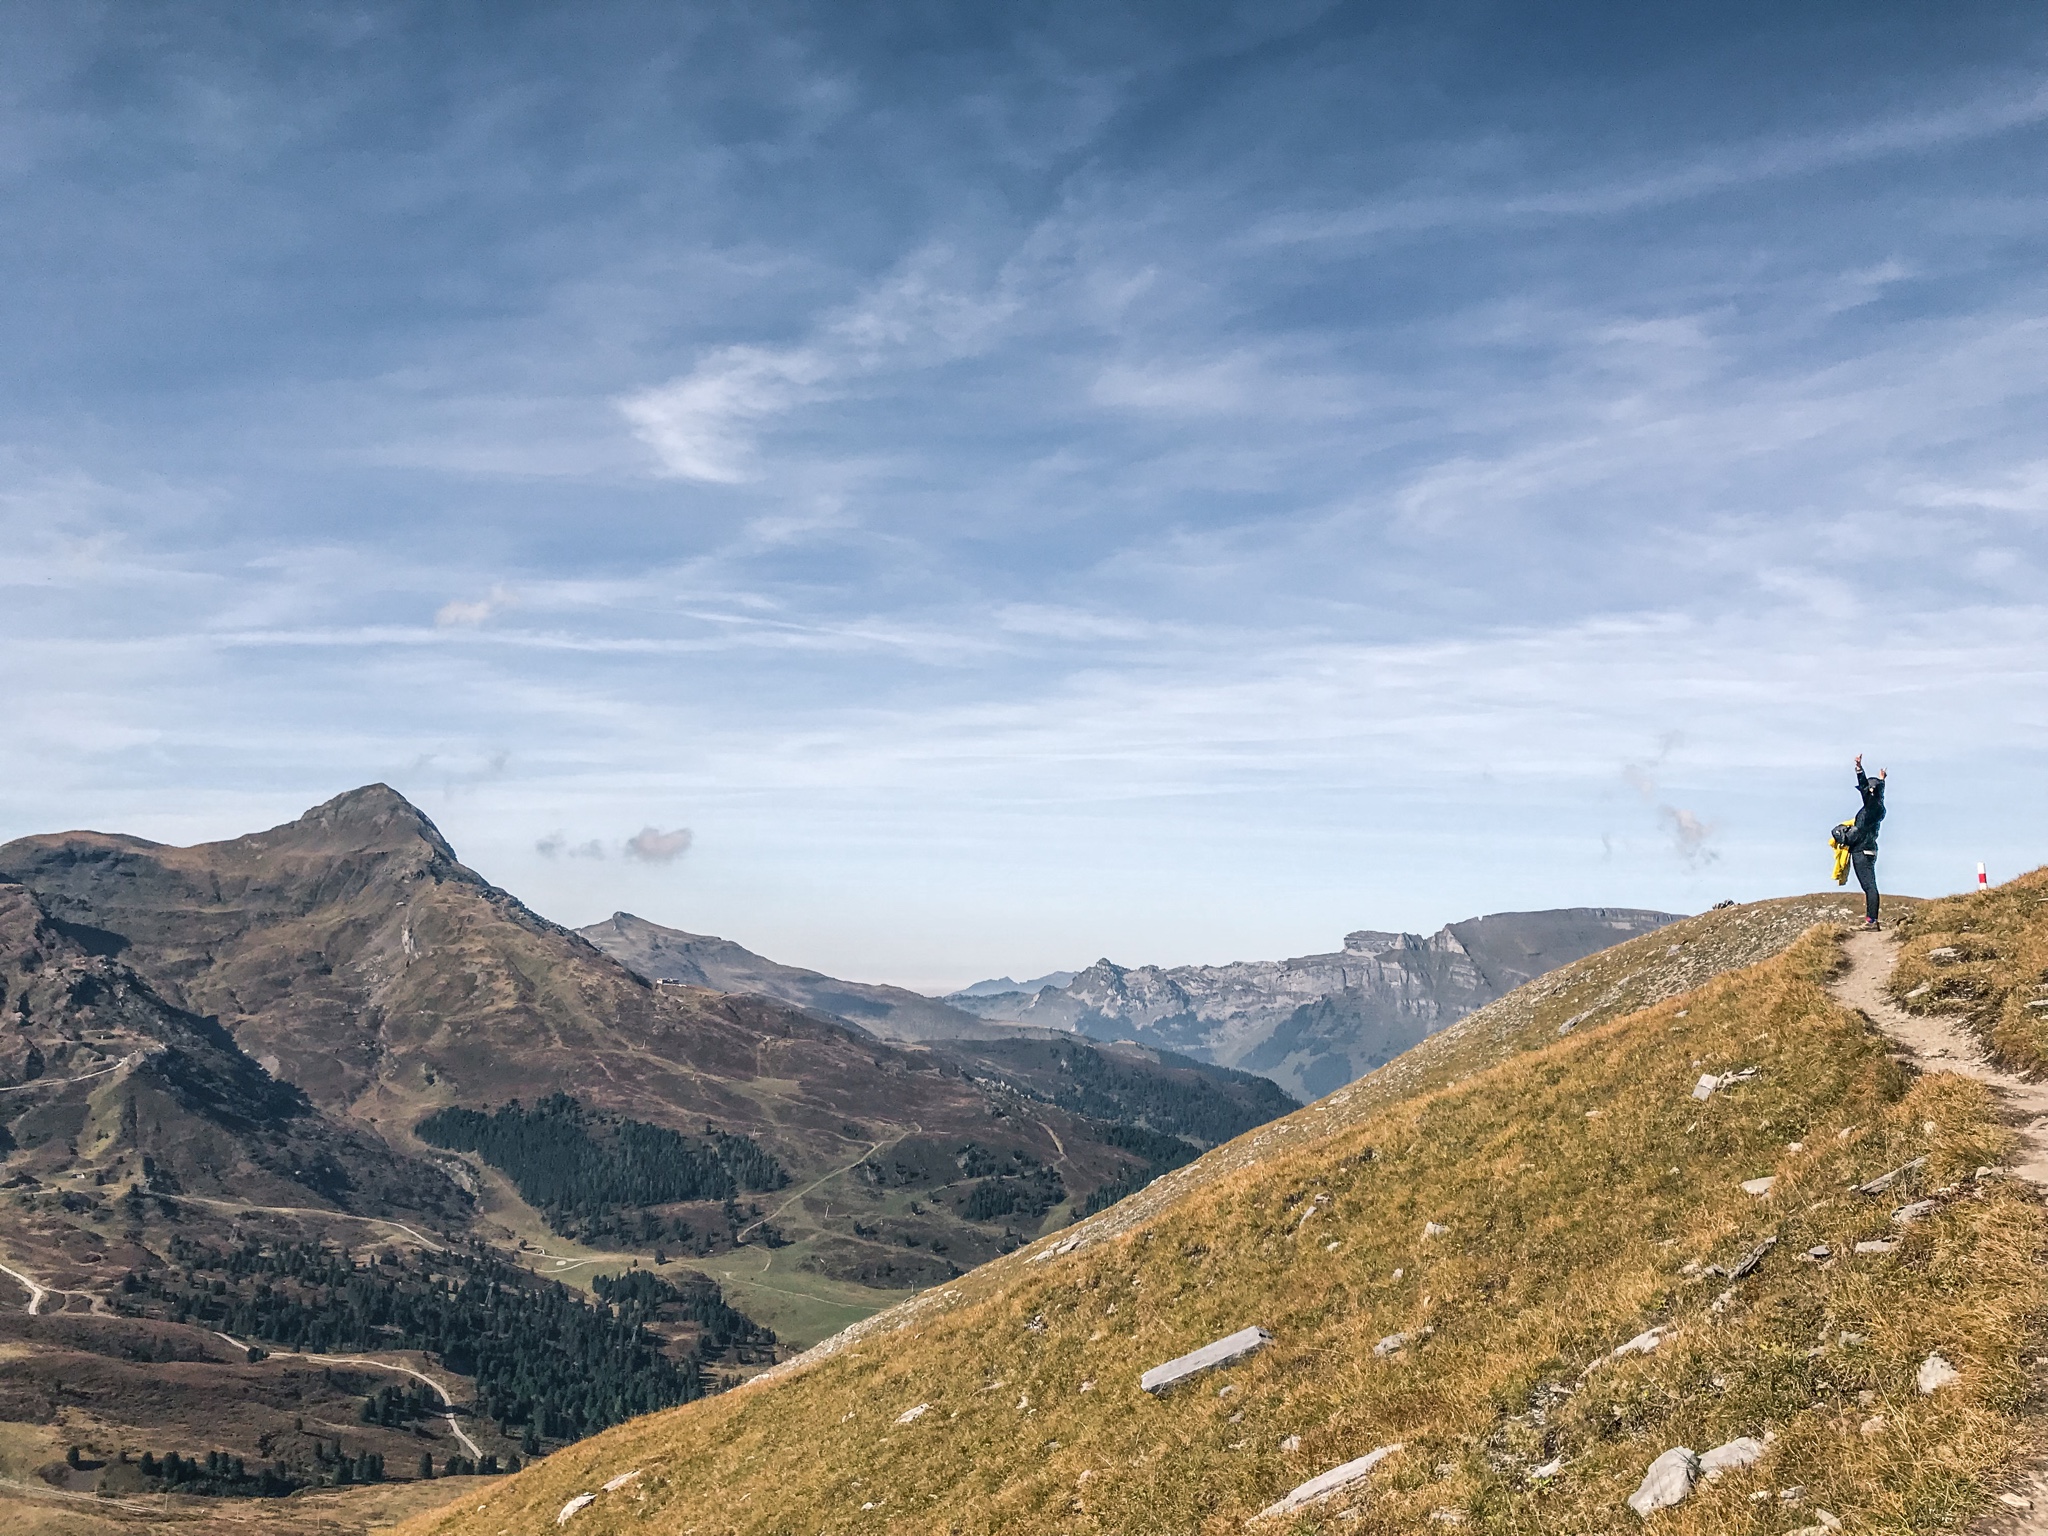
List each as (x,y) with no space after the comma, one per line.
(1940,1044)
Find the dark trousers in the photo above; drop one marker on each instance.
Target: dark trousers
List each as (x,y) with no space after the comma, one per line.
(1865,865)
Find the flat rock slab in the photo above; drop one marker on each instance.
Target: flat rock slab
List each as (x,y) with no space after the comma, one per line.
(1331,1483)
(1207,1358)
(1668,1481)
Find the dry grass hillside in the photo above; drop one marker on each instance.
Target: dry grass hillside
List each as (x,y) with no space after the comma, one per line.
(1517,1199)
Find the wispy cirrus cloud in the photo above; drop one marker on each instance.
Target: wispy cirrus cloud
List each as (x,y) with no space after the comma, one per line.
(704,424)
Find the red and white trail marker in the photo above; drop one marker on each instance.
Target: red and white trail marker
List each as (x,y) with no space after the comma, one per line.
(1983,884)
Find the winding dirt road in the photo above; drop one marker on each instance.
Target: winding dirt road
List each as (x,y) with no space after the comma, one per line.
(434,1386)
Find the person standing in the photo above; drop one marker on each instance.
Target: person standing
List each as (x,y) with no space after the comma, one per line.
(1863,838)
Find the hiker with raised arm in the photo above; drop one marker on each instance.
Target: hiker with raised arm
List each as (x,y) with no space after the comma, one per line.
(1861,840)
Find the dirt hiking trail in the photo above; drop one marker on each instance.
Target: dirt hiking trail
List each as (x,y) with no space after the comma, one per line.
(1939,1044)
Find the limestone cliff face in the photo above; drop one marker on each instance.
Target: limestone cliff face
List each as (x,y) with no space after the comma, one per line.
(1315,1022)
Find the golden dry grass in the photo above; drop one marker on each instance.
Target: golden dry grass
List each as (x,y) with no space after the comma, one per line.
(1579,1180)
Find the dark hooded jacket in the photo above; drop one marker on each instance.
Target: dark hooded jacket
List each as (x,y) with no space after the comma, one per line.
(1863,831)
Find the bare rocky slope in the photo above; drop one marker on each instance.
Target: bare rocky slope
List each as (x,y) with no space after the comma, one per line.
(1316,1022)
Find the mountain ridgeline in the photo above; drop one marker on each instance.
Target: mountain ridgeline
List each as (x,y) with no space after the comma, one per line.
(1317,1022)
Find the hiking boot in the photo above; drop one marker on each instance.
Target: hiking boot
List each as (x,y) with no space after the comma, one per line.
(1871,925)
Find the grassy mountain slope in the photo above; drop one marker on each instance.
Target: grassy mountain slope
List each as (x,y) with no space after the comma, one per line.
(1583,1190)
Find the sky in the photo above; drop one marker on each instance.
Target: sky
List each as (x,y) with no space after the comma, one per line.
(939,490)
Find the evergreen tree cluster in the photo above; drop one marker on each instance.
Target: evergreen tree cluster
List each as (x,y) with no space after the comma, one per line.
(545,1359)
(642,1297)
(1205,1104)
(1016,1184)
(1162,1154)
(580,1168)
(220,1475)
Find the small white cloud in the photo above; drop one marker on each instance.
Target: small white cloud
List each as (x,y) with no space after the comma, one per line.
(556,845)
(460,612)
(651,845)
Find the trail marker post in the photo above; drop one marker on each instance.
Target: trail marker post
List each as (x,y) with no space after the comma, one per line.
(1983,883)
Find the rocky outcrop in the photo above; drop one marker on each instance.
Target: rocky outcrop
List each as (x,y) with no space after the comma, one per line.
(1316,1022)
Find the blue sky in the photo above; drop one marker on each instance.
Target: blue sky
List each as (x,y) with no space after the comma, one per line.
(1023,483)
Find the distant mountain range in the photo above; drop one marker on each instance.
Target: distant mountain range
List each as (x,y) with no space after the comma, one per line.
(995,986)
(1310,1024)
(1315,1023)
(700,960)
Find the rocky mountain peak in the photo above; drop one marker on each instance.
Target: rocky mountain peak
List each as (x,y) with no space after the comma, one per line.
(375,815)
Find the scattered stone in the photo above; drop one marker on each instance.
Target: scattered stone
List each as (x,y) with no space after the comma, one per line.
(1819,1253)
(1549,1469)
(1906,1215)
(1876,1245)
(1226,1390)
(1445,1517)
(1333,1247)
(1704,1088)
(621,1480)
(1036,1325)
(1759,1187)
(1884,1181)
(912,1415)
(1574,1022)
(1432,1229)
(2015,1501)
(1223,1352)
(1335,1481)
(1852,1340)
(575,1507)
(1793,1494)
(2039,1002)
(1745,1451)
(1087,1386)
(1668,1481)
(1945,954)
(1920,991)
(1392,1344)
(1291,1444)
(1874,1425)
(1934,1374)
(1748,1262)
